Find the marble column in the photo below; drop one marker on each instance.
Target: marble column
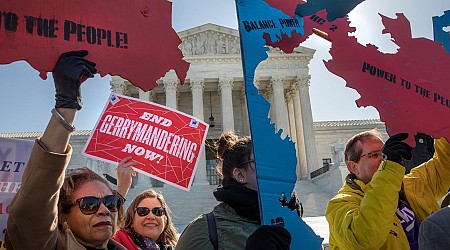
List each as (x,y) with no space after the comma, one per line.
(226,96)
(291,116)
(171,87)
(171,83)
(302,164)
(308,126)
(144,95)
(245,118)
(197,86)
(118,85)
(147,96)
(269,97)
(280,106)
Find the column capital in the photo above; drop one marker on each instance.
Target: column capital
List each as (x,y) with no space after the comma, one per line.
(288,95)
(257,82)
(303,81)
(277,81)
(226,83)
(197,84)
(171,84)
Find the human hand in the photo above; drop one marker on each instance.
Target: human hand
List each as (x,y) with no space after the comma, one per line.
(124,172)
(69,72)
(396,150)
(293,204)
(269,237)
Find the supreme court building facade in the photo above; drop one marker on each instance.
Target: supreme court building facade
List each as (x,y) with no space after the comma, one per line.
(213,91)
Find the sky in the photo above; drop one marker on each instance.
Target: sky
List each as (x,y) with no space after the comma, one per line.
(26,100)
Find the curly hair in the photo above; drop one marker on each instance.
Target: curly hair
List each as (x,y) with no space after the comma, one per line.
(169,234)
(72,182)
(232,152)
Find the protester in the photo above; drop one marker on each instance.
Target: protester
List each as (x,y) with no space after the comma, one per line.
(434,233)
(148,224)
(378,206)
(237,216)
(51,211)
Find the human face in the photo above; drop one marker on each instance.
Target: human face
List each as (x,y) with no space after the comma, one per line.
(92,230)
(369,161)
(150,225)
(250,172)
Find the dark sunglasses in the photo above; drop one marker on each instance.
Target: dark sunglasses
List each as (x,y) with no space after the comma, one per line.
(144,211)
(91,204)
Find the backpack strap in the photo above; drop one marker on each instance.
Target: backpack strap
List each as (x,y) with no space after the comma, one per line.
(212,229)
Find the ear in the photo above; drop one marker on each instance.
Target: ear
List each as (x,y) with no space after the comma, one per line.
(239,175)
(353,167)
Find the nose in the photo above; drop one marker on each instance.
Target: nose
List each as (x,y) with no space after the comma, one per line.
(103,210)
(151,216)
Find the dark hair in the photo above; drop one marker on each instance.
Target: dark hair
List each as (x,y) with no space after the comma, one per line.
(232,151)
(72,182)
(169,234)
(352,152)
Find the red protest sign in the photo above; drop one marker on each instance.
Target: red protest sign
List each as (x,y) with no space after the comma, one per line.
(165,141)
(131,39)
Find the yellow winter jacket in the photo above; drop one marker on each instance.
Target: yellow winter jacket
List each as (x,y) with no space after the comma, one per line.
(363,216)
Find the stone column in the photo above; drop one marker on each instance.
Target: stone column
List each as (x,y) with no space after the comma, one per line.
(269,97)
(197,86)
(118,85)
(147,96)
(144,95)
(302,164)
(245,117)
(226,96)
(291,116)
(171,87)
(280,106)
(171,83)
(308,126)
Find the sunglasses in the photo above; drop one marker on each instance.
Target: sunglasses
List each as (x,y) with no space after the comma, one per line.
(144,211)
(90,204)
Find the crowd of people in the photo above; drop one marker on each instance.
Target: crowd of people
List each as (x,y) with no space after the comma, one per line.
(378,207)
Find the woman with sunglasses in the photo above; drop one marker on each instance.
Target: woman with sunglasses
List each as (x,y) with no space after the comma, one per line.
(147,224)
(237,216)
(51,211)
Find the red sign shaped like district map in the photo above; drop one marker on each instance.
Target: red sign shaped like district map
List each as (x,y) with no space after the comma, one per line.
(131,39)
(165,141)
(409,88)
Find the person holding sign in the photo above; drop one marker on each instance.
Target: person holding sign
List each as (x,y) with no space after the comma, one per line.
(148,224)
(237,216)
(54,211)
(379,207)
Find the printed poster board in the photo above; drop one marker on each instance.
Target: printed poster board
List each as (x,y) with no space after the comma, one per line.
(165,141)
(14,155)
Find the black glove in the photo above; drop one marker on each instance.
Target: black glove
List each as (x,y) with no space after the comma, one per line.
(67,74)
(293,204)
(269,237)
(396,150)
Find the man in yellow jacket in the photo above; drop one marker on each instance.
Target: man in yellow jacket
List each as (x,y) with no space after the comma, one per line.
(379,207)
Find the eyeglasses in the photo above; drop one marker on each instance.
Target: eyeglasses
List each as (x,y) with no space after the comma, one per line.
(90,204)
(246,162)
(373,154)
(144,211)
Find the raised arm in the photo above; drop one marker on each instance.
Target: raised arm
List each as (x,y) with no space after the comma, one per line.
(33,211)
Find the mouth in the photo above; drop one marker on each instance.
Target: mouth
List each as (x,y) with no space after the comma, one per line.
(150,225)
(103,224)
